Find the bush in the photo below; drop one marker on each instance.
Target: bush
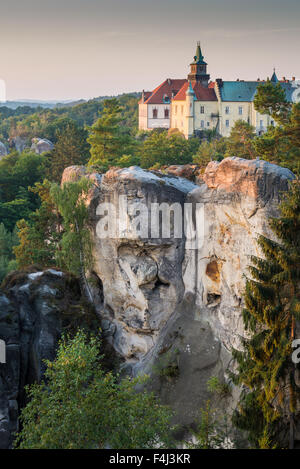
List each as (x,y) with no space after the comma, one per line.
(80,406)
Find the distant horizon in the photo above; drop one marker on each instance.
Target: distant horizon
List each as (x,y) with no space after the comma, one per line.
(67,50)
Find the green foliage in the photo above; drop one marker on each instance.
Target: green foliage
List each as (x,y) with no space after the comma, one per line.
(210,150)
(129,160)
(78,406)
(17,172)
(212,431)
(240,141)
(269,406)
(215,386)
(76,243)
(108,142)
(270,99)
(71,148)
(281,144)
(166,149)
(39,237)
(7,242)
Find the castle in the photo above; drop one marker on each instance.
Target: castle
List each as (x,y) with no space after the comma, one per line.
(195,103)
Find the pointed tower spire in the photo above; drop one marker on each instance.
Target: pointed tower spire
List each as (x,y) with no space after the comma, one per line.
(274,78)
(199,68)
(199,58)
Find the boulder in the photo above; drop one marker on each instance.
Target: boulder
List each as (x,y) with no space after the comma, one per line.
(41,145)
(32,307)
(19,143)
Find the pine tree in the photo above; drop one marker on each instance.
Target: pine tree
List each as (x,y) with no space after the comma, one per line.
(240,141)
(108,142)
(39,237)
(76,244)
(269,407)
(270,99)
(71,148)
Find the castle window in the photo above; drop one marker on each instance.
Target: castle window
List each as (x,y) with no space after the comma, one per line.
(227,110)
(166,113)
(227,123)
(240,110)
(207,124)
(202,124)
(154,113)
(201,109)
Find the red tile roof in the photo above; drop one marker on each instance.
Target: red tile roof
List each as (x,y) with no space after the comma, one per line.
(168,88)
(146,94)
(202,93)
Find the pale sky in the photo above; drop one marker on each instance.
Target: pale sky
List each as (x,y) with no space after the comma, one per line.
(70,49)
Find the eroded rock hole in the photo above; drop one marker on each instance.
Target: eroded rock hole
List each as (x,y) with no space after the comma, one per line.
(213,299)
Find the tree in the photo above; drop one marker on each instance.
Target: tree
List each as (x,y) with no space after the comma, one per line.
(108,142)
(71,148)
(167,150)
(281,144)
(78,406)
(7,241)
(76,244)
(213,150)
(270,99)
(269,407)
(39,236)
(240,141)
(17,172)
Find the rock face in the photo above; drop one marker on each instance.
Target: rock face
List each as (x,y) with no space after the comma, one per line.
(3,150)
(172,307)
(19,143)
(41,145)
(169,303)
(31,319)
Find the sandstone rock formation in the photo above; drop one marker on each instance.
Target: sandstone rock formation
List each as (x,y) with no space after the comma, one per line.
(172,308)
(34,308)
(169,304)
(19,143)
(40,145)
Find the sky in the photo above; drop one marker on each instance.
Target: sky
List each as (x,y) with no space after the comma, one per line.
(71,49)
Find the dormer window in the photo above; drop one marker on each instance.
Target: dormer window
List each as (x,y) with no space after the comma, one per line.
(166,99)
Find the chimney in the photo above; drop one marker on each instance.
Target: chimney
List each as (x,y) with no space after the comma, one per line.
(293,78)
(143,96)
(283,78)
(237,79)
(258,79)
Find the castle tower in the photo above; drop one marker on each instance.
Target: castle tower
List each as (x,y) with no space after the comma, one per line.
(190,98)
(199,68)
